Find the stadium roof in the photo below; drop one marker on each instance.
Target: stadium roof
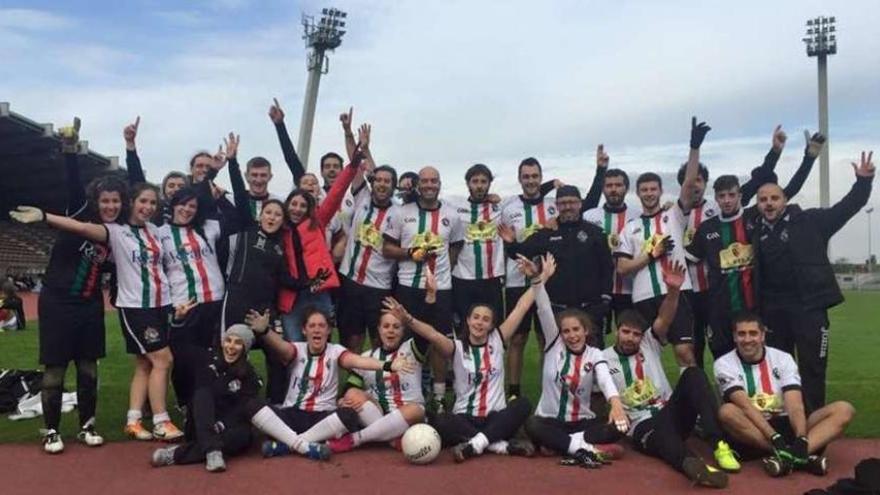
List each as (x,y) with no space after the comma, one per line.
(32,165)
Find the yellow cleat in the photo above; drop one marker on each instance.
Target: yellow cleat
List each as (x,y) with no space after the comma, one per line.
(137,431)
(726,458)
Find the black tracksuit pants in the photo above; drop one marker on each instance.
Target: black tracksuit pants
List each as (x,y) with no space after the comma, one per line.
(498,425)
(805,331)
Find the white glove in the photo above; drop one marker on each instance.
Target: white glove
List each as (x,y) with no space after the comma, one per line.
(28,214)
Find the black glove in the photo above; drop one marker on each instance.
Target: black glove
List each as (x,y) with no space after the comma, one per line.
(698,133)
(668,245)
(318,280)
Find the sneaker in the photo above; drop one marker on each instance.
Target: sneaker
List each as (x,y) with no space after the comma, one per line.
(816,464)
(463,452)
(726,458)
(214,462)
(89,437)
(137,431)
(163,457)
(52,443)
(166,431)
(775,467)
(609,451)
(583,458)
(522,448)
(701,474)
(318,452)
(344,443)
(271,448)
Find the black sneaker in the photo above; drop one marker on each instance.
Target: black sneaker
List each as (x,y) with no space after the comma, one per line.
(583,458)
(775,467)
(522,448)
(463,452)
(816,464)
(702,474)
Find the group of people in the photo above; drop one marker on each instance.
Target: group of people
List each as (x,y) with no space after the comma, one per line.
(443,283)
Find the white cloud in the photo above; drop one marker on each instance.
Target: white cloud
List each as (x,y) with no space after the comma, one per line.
(33,20)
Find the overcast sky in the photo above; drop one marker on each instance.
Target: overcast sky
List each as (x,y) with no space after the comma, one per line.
(455,83)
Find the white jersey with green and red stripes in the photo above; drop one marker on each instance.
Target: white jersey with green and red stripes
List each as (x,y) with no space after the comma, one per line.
(613,223)
(640,235)
(363,262)
(390,389)
(482,255)
(191,262)
(640,379)
(415,227)
(314,379)
(764,382)
(138,254)
(568,381)
(479,376)
(699,271)
(526,216)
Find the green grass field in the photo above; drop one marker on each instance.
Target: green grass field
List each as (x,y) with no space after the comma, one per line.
(853,372)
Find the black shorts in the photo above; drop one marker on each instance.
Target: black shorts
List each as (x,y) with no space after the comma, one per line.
(145,330)
(682,329)
(748,452)
(70,328)
(440,316)
(360,308)
(511,296)
(201,327)
(466,293)
(299,420)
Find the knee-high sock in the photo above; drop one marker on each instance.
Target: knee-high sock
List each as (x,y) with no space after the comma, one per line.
(479,442)
(578,442)
(269,423)
(369,414)
(52,388)
(499,447)
(86,391)
(388,427)
(327,428)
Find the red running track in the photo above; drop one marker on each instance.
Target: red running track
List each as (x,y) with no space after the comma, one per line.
(123,468)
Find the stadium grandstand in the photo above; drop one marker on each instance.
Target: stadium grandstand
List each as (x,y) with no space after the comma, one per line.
(32,171)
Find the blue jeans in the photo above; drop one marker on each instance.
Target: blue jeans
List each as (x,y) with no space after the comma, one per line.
(292,321)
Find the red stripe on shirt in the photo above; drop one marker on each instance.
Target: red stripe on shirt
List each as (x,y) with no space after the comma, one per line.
(319,381)
(575,382)
(765,375)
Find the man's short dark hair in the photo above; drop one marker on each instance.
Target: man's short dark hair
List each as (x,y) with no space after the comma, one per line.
(412,176)
(747,317)
(703,171)
(478,169)
(725,182)
(331,155)
(631,318)
(528,162)
(648,177)
(257,162)
(616,172)
(390,170)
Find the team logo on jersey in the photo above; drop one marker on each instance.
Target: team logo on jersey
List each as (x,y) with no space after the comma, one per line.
(261,243)
(582,236)
(151,335)
(588,367)
(783,236)
(613,241)
(234,385)
(551,210)
(724,379)
(665,218)
(777,374)
(445,222)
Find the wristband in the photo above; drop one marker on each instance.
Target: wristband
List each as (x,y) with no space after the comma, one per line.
(386,366)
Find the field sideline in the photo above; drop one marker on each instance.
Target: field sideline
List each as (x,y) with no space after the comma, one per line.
(852,374)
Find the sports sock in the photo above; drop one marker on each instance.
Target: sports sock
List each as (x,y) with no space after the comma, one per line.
(133,416)
(327,428)
(439,390)
(577,443)
(499,447)
(386,428)
(369,413)
(269,423)
(479,442)
(513,389)
(161,417)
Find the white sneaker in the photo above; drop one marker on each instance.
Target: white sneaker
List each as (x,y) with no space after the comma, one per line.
(163,457)
(90,437)
(214,462)
(52,443)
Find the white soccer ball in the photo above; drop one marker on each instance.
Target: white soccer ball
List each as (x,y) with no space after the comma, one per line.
(420,444)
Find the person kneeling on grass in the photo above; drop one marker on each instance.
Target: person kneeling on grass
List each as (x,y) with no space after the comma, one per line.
(765,413)
(662,418)
(481,419)
(563,421)
(310,406)
(225,404)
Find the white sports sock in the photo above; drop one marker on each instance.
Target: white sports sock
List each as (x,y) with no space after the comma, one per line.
(133,416)
(479,442)
(369,413)
(327,428)
(161,417)
(387,428)
(499,447)
(439,390)
(269,423)
(578,442)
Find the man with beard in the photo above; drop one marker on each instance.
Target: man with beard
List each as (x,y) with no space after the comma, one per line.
(478,275)
(656,239)
(722,244)
(425,234)
(367,274)
(796,283)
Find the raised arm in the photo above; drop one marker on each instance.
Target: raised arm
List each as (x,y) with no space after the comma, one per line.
(673,276)
(271,341)
(591,200)
(31,214)
(350,361)
(686,195)
(811,152)
(132,161)
(350,143)
(761,173)
(276,114)
(334,198)
(830,220)
(511,323)
(542,300)
(76,193)
(440,342)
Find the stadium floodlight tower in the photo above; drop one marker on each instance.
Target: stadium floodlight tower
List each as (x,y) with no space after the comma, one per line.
(321,36)
(821,42)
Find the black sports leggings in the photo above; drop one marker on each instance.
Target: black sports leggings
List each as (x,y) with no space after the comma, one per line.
(555,434)
(498,425)
(664,435)
(86,392)
(209,429)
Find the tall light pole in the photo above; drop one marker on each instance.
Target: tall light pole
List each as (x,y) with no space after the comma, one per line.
(821,42)
(321,36)
(870,210)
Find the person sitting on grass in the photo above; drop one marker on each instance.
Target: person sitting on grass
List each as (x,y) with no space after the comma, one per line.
(226,403)
(11,308)
(661,418)
(765,414)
